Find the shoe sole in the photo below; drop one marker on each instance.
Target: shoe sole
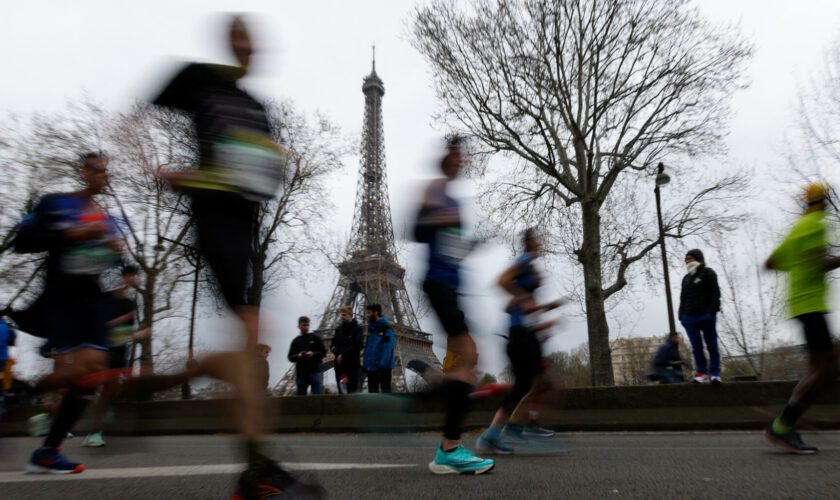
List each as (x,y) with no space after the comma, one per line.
(528,434)
(771,439)
(447,469)
(490,450)
(40,469)
(93,445)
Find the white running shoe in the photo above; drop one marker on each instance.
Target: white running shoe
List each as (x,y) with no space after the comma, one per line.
(700,378)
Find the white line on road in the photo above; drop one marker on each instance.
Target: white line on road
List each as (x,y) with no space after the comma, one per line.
(178,470)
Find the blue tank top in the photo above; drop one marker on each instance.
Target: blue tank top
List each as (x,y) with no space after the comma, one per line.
(527,279)
(447,247)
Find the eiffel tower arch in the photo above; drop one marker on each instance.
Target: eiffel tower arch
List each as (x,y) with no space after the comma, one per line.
(370,273)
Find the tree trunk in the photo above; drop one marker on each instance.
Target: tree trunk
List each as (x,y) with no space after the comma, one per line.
(146,358)
(596,316)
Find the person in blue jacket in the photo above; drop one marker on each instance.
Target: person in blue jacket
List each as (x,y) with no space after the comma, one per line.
(667,362)
(378,358)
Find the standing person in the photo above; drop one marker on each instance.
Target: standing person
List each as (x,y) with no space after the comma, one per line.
(123,332)
(72,311)
(524,349)
(699,305)
(379,350)
(804,255)
(306,352)
(239,166)
(439,227)
(263,350)
(346,346)
(667,363)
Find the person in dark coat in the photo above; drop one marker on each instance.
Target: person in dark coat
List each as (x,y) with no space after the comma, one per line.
(699,305)
(307,351)
(347,347)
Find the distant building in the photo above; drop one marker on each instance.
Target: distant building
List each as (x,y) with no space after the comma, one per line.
(631,357)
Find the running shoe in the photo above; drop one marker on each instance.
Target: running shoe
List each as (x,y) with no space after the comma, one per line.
(492,445)
(522,445)
(700,378)
(715,379)
(94,440)
(47,460)
(534,430)
(269,481)
(39,425)
(791,442)
(459,461)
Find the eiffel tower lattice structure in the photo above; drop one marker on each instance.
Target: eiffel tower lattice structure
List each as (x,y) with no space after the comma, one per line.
(370,273)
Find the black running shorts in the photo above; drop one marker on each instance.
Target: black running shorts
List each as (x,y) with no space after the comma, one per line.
(444,301)
(225,228)
(817,336)
(118,356)
(72,322)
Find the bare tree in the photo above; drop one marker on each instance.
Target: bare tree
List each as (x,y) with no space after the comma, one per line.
(288,225)
(751,299)
(582,97)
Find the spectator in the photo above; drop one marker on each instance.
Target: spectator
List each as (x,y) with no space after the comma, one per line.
(699,305)
(667,364)
(263,350)
(307,351)
(347,347)
(6,339)
(379,350)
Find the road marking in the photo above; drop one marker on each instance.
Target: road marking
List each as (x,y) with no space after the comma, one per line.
(180,470)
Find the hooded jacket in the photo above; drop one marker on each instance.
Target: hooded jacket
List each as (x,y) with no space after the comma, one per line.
(379,348)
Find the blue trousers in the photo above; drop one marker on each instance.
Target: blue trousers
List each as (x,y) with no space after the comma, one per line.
(703,328)
(307,380)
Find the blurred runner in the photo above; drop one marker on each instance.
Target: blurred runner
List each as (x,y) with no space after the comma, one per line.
(804,255)
(524,349)
(439,226)
(81,243)
(239,166)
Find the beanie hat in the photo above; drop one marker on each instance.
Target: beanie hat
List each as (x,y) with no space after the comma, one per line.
(697,254)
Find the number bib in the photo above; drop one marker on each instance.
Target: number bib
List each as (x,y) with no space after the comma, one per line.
(251,164)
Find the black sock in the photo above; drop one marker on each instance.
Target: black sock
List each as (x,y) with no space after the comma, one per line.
(791,414)
(71,409)
(456,395)
(253,455)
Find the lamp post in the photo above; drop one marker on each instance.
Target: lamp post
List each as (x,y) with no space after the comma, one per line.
(186,389)
(661,179)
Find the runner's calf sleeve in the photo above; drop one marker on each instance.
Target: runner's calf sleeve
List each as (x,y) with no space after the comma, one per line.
(456,395)
(73,404)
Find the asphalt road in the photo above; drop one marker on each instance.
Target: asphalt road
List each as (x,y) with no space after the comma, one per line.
(700,465)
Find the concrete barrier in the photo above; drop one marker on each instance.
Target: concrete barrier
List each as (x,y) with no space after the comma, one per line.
(747,405)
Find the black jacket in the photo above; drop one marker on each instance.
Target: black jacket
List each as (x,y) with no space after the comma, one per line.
(347,343)
(700,293)
(303,343)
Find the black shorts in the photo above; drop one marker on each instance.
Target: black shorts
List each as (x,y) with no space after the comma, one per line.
(225,227)
(73,322)
(817,336)
(118,356)
(444,301)
(524,350)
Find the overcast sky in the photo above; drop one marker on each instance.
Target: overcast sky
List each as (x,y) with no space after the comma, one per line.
(316,53)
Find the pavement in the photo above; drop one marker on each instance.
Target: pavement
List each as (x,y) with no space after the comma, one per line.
(669,465)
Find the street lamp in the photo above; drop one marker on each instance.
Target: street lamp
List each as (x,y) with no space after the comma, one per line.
(186,389)
(661,179)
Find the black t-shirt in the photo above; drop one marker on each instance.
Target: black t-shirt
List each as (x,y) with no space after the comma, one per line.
(236,151)
(120,333)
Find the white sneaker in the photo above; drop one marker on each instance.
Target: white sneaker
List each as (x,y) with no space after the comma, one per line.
(700,378)
(94,440)
(715,379)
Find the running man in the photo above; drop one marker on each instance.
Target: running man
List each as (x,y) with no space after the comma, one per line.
(524,349)
(239,167)
(81,242)
(439,226)
(123,332)
(804,255)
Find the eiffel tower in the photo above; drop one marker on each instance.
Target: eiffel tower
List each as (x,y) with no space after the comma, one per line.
(370,273)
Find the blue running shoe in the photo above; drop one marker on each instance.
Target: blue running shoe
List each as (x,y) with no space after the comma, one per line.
(534,430)
(47,460)
(522,445)
(459,461)
(491,443)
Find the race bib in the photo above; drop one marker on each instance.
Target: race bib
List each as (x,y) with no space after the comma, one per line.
(252,164)
(451,245)
(89,259)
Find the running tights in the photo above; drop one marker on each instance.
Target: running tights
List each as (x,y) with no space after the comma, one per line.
(456,395)
(73,404)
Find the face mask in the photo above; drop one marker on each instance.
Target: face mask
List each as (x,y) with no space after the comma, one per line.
(692,267)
